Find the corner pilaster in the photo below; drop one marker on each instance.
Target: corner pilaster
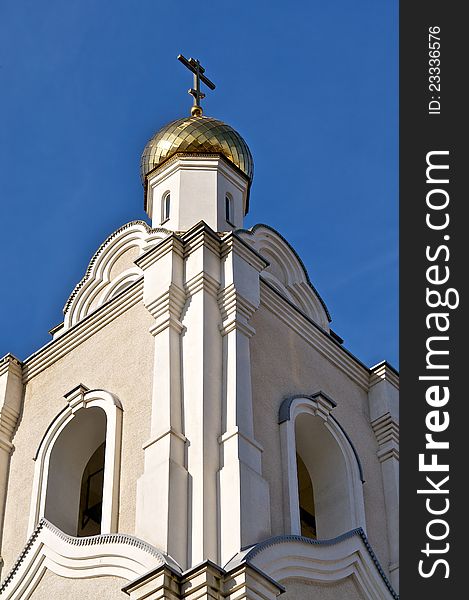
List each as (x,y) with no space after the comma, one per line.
(244,493)
(383,397)
(11,402)
(202,377)
(162,490)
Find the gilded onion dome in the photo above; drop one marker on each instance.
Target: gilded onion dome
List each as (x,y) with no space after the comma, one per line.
(197,135)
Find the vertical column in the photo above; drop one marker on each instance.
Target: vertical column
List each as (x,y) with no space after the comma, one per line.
(202,378)
(11,398)
(383,396)
(244,494)
(162,490)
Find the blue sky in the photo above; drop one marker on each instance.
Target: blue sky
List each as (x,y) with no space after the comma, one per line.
(311,86)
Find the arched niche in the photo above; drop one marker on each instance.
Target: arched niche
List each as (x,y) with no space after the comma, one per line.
(91,419)
(73,449)
(310,431)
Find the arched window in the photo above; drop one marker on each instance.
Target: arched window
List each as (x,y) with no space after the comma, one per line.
(76,478)
(70,461)
(165,207)
(323,480)
(229,217)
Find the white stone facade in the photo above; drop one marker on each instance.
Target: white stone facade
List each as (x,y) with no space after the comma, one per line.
(204,362)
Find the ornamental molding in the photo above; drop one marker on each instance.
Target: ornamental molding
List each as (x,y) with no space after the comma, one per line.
(201,235)
(320,402)
(10,364)
(383,371)
(202,282)
(106,242)
(320,405)
(321,561)
(286,271)
(167,310)
(386,430)
(166,246)
(100,284)
(114,555)
(236,311)
(234,243)
(81,398)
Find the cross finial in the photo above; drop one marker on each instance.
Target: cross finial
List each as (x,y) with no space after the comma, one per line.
(194,65)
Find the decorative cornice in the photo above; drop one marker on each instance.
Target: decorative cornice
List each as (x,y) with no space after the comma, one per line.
(115,553)
(202,281)
(384,371)
(167,309)
(201,235)
(106,242)
(250,554)
(316,337)
(232,242)
(252,231)
(8,422)
(235,311)
(9,363)
(168,245)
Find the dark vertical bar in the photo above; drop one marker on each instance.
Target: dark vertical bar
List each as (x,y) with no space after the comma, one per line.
(433,119)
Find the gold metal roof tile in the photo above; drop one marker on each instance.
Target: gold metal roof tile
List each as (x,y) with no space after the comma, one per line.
(197,134)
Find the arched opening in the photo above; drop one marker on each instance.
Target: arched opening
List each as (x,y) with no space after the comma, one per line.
(325,509)
(306,500)
(74,493)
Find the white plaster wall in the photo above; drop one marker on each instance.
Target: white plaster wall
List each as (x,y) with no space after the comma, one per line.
(119,359)
(284,364)
(59,588)
(302,589)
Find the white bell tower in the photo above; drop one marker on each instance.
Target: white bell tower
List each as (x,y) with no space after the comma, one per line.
(188,189)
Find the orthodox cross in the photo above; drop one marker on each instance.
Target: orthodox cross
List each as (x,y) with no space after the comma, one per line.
(194,65)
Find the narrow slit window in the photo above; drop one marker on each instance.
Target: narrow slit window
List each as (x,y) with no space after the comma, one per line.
(229,209)
(166,207)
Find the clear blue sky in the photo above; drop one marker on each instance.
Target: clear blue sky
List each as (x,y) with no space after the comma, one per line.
(311,86)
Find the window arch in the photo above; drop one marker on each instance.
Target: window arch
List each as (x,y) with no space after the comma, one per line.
(328,460)
(165,207)
(76,477)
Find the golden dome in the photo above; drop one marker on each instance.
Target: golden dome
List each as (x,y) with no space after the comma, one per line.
(197,135)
